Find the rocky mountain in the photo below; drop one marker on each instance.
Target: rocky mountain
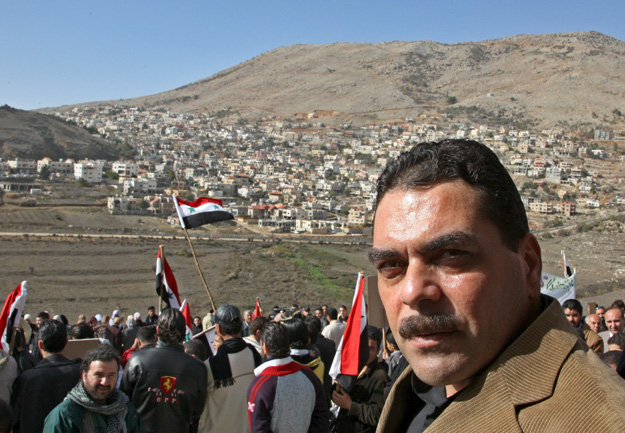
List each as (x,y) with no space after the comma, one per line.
(531,80)
(30,135)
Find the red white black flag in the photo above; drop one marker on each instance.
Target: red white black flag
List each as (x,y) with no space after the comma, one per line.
(353,351)
(11,315)
(166,283)
(186,313)
(202,211)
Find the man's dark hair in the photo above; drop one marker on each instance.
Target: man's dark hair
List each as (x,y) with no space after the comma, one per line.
(151,307)
(104,353)
(332,313)
(374,333)
(297,332)
(43,315)
(257,324)
(313,324)
(171,326)
(295,307)
(81,331)
(344,307)
(306,308)
(432,163)
(197,348)
(147,334)
(618,304)
(53,335)
(274,336)
(573,304)
(618,339)
(612,357)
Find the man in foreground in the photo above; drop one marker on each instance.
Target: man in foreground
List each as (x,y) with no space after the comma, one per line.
(95,405)
(459,275)
(167,386)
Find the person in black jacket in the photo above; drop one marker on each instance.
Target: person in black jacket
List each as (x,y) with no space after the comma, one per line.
(362,406)
(38,390)
(167,386)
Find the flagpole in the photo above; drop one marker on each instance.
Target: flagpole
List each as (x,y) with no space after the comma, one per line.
(197,264)
(161,250)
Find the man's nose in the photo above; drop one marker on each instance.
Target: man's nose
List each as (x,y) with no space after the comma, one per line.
(421,284)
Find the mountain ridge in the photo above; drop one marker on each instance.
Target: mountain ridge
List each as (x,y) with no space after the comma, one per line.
(559,79)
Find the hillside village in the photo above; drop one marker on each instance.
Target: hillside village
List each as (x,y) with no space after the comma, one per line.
(300,176)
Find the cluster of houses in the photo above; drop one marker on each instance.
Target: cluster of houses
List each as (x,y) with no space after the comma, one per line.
(299,175)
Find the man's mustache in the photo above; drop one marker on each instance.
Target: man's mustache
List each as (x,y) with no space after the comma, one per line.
(421,325)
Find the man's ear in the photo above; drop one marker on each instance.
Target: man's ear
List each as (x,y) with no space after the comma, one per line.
(40,345)
(533,264)
(218,329)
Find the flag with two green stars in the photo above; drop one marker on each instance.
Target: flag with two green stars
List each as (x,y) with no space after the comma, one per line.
(202,211)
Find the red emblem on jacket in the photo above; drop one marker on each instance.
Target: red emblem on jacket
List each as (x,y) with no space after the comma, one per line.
(167,384)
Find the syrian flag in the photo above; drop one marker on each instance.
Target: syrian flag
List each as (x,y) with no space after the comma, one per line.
(11,315)
(258,311)
(186,313)
(353,351)
(202,211)
(165,281)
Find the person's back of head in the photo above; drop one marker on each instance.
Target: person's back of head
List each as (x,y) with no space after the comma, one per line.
(80,331)
(257,324)
(618,304)
(171,326)
(297,332)
(612,358)
(147,335)
(275,339)
(313,324)
(229,319)
(617,340)
(53,336)
(196,349)
(332,313)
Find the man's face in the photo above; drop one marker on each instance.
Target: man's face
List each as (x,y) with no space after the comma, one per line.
(151,313)
(594,322)
(99,381)
(342,312)
(319,314)
(614,320)
(601,313)
(454,294)
(573,317)
(38,321)
(247,316)
(374,349)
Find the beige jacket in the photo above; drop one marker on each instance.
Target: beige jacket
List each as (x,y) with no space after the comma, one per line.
(547,380)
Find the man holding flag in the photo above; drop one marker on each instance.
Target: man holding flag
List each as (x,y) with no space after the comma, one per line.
(360,379)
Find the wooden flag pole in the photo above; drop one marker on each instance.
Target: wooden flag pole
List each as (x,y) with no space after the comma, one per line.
(161,250)
(197,264)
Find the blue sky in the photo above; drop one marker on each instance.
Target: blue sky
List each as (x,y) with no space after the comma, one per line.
(63,52)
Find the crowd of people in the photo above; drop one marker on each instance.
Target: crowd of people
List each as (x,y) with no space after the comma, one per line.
(472,346)
(270,373)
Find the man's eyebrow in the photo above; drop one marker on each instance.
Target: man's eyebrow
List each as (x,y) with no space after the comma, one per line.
(377,254)
(457,238)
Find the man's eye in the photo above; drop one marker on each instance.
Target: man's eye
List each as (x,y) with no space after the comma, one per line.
(390,268)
